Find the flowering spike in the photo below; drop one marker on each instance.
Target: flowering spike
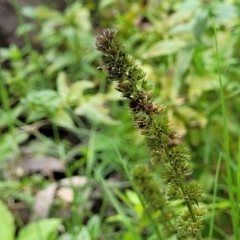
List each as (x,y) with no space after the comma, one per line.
(152,121)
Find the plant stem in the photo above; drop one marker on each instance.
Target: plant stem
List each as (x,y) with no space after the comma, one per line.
(189,206)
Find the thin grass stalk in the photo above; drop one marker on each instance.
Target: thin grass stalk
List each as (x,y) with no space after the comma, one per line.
(214,198)
(226,142)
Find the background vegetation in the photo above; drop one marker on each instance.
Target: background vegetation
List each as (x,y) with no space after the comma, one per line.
(67,145)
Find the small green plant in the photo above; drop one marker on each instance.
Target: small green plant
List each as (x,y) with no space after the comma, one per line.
(42,229)
(152,121)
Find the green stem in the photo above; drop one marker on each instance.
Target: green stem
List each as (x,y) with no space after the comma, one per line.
(189,206)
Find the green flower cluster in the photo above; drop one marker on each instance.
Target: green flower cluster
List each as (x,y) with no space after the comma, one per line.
(146,186)
(152,121)
(153,197)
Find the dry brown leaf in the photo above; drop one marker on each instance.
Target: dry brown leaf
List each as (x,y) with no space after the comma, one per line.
(67,186)
(43,164)
(66,194)
(43,201)
(76,181)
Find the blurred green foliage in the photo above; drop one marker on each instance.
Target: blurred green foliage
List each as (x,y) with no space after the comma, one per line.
(54,78)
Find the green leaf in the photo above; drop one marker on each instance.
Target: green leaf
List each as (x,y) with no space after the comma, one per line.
(82,16)
(84,234)
(5,53)
(62,86)
(225,12)
(200,23)
(5,117)
(25,28)
(76,91)
(198,85)
(184,58)
(29,11)
(133,197)
(189,5)
(95,110)
(105,3)
(6,223)
(61,118)
(9,142)
(15,52)
(63,60)
(129,236)
(191,116)
(164,48)
(40,230)
(94,226)
(40,13)
(43,103)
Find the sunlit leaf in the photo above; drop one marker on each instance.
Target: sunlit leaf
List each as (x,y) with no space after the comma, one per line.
(6,223)
(225,12)
(129,236)
(76,91)
(29,11)
(192,117)
(105,3)
(61,118)
(62,85)
(60,62)
(133,197)
(95,110)
(43,229)
(94,226)
(164,48)
(84,234)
